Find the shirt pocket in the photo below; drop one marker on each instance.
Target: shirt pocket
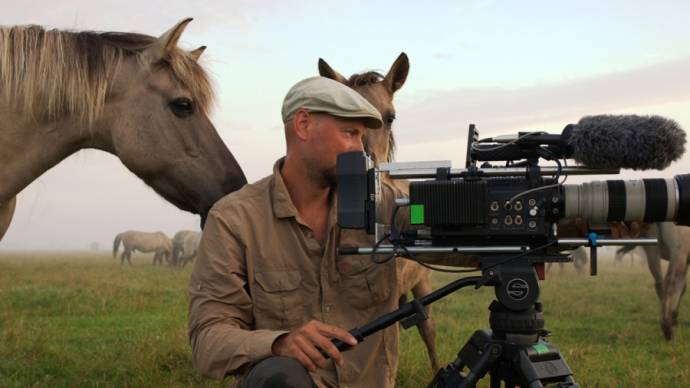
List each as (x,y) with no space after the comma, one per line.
(363,283)
(278,302)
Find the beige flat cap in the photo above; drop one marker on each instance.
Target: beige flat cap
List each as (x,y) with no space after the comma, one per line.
(324,95)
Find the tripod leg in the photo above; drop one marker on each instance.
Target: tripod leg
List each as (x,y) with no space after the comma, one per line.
(478,355)
(544,362)
(479,369)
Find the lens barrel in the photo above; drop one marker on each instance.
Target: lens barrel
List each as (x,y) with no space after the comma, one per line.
(648,200)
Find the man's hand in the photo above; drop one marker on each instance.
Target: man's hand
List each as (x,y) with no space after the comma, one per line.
(306,342)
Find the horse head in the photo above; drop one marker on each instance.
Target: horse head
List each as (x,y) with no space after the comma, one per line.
(155,119)
(378,90)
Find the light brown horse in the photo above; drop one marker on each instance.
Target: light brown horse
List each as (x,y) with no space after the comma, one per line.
(185,244)
(674,246)
(580,257)
(145,242)
(380,145)
(138,97)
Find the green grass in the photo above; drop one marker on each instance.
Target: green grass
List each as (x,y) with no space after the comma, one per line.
(82,319)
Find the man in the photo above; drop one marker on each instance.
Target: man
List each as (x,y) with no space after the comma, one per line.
(268,291)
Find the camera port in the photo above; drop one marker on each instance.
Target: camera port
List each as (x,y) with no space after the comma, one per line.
(494,221)
(507,205)
(532,202)
(508,220)
(518,220)
(518,205)
(532,224)
(494,206)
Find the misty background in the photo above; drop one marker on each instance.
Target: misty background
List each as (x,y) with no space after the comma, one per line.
(531,65)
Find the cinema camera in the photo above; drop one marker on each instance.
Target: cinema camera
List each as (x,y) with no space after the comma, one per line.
(507,218)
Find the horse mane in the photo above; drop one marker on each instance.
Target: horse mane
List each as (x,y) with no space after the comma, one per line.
(370,78)
(364,79)
(50,74)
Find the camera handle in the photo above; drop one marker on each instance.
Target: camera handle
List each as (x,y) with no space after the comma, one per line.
(409,312)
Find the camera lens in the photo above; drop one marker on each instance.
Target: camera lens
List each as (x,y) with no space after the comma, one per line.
(648,200)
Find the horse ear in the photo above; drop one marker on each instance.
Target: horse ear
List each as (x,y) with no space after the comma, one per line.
(325,70)
(397,74)
(195,54)
(168,41)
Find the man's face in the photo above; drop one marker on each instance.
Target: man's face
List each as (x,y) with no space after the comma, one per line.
(329,137)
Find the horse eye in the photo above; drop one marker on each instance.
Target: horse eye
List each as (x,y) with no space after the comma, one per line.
(182,107)
(390,118)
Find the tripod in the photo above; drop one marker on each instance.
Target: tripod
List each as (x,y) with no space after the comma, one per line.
(513,352)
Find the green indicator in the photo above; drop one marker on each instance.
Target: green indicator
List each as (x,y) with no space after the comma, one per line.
(540,348)
(416,214)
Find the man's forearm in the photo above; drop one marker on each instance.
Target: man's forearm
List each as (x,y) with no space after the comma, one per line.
(222,349)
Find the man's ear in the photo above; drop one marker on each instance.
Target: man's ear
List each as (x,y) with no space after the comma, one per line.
(301,124)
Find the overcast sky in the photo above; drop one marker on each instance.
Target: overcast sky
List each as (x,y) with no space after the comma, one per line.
(505,66)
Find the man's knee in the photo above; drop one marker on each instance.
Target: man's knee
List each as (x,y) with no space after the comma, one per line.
(275,372)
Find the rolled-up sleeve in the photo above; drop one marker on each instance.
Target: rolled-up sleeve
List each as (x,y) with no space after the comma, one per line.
(220,307)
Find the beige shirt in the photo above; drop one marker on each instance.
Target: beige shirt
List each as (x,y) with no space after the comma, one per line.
(260,272)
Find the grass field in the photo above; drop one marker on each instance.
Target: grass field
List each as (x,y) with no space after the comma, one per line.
(81,319)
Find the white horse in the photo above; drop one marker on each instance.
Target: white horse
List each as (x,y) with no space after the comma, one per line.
(185,246)
(133,241)
(674,246)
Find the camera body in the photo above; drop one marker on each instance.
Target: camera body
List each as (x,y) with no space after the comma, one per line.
(476,210)
(516,204)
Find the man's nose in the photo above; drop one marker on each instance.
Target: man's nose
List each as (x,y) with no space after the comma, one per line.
(357,145)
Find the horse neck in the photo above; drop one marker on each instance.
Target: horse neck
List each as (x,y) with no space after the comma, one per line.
(30,148)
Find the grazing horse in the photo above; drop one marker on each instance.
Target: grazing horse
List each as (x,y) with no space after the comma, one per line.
(145,242)
(380,145)
(674,246)
(185,245)
(138,97)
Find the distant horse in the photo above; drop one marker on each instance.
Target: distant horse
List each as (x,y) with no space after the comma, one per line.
(145,242)
(674,246)
(138,97)
(380,145)
(185,245)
